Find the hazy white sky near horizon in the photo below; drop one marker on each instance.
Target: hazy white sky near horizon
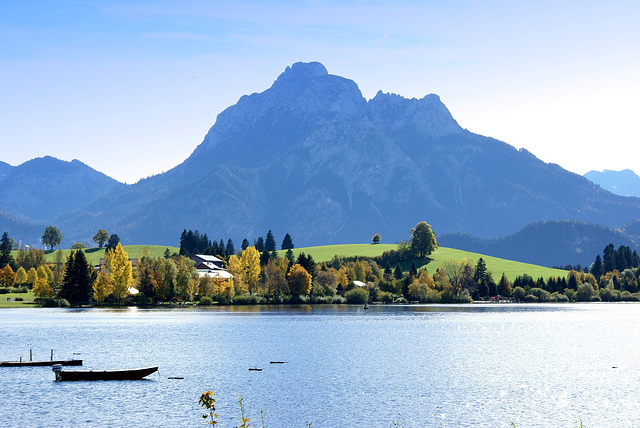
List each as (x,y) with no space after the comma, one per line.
(130,87)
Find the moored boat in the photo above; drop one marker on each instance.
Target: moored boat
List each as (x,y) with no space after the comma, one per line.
(124,374)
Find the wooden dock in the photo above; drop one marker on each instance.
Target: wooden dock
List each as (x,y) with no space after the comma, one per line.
(40,363)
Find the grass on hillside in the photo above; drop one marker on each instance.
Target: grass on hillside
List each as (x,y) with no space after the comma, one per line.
(95,254)
(325,253)
(496,265)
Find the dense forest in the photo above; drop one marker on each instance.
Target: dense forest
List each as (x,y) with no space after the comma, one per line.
(259,275)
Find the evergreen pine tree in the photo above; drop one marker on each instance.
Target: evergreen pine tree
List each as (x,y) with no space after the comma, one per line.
(483,289)
(287,243)
(114,240)
(481,271)
(270,242)
(230,248)
(609,259)
(259,245)
(245,244)
(398,272)
(387,270)
(289,255)
(5,251)
(265,256)
(413,271)
(596,268)
(77,282)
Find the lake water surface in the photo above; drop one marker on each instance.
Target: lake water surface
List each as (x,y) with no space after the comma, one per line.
(423,366)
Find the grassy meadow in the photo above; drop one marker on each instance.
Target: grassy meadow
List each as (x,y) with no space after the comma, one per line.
(326,252)
(9,300)
(494,264)
(134,252)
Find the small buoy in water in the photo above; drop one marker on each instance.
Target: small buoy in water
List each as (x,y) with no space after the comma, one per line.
(614,367)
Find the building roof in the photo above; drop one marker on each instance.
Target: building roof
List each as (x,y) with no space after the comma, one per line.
(214,273)
(208,258)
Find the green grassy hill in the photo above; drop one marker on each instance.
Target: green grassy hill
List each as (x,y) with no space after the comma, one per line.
(324,253)
(494,264)
(134,252)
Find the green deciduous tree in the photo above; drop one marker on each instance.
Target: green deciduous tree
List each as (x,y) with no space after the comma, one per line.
(186,277)
(101,237)
(32,257)
(51,237)
(376,238)
(423,240)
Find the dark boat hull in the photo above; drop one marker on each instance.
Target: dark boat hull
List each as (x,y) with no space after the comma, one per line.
(40,363)
(130,374)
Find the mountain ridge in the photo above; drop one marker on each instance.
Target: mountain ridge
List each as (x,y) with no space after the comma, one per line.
(42,189)
(623,183)
(310,156)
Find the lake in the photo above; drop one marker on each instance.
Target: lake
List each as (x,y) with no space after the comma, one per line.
(423,366)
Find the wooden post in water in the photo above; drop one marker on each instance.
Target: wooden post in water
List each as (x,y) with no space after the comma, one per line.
(30,354)
(52,355)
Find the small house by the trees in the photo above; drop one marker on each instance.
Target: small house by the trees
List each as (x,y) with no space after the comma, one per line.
(211,266)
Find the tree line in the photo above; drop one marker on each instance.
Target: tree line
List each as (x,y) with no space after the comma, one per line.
(193,242)
(265,277)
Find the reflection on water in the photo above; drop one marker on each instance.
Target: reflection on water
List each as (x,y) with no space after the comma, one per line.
(432,365)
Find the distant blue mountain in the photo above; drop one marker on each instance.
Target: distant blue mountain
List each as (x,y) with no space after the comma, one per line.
(624,183)
(4,169)
(42,189)
(548,243)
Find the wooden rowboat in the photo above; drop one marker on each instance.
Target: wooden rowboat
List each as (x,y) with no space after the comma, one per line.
(125,374)
(40,363)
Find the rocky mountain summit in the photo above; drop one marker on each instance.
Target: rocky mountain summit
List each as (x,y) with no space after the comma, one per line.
(310,156)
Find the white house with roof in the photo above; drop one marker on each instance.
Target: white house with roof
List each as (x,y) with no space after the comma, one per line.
(210,266)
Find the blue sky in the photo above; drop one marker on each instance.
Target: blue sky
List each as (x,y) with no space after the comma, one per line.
(131,87)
